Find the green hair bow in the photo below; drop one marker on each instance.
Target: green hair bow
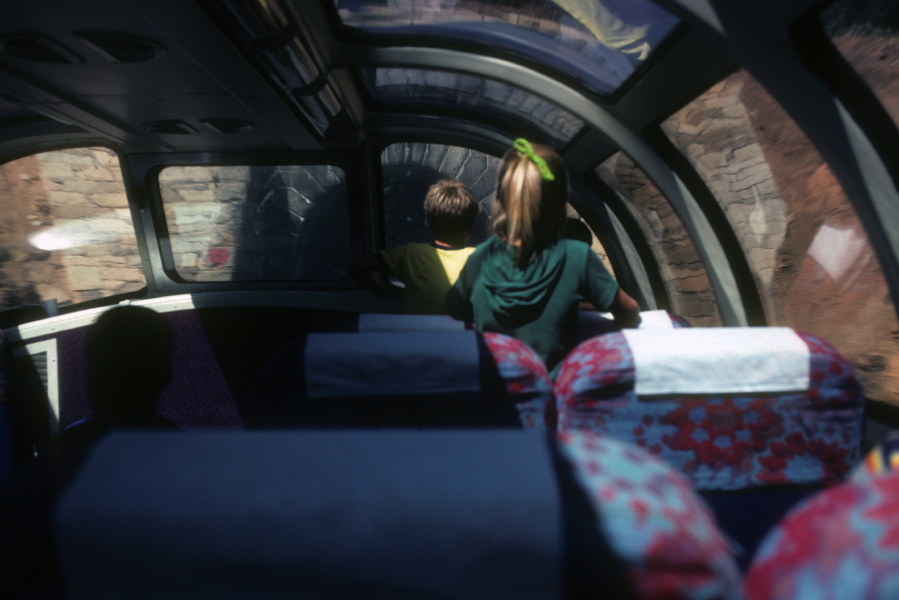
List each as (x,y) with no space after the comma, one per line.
(524,146)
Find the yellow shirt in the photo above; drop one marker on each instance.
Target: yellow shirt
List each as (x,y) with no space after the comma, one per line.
(427,271)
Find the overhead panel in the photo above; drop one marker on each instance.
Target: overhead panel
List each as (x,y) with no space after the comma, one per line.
(601,43)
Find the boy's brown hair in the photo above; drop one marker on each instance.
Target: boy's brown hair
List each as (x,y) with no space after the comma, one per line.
(451,209)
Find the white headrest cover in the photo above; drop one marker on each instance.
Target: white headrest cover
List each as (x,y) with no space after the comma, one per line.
(728,360)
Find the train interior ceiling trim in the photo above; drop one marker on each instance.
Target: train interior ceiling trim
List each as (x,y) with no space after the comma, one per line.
(225,161)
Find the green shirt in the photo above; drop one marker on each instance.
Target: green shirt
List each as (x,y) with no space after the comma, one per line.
(427,271)
(538,304)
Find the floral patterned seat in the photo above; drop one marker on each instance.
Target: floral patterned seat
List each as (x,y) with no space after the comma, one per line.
(721,442)
(842,543)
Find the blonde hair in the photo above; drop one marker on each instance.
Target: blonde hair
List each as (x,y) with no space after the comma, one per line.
(530,210)
(450,209)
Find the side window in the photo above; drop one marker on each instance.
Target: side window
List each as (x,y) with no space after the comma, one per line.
(866,33)
(255,223)
(409,169)
(682,270)
(66,233)
(811,258)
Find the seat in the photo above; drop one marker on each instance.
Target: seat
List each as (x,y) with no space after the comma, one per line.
(197,397)
(402,378)
(842,543)
(7,453)
(665,539)
(749,452)
(450,514)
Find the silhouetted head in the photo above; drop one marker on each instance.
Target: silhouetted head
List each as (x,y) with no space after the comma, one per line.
(129,362)
(531,199)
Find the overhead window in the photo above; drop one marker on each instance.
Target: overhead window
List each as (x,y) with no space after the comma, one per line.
(811,258)
(66,235)
(682,270)
(601,42)
(256,223)
(439,89)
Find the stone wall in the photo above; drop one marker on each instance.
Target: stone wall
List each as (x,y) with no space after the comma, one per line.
(66,233)
(202,210)
(681,269)
(813,265)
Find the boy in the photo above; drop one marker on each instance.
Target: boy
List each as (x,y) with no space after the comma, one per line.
(428,270)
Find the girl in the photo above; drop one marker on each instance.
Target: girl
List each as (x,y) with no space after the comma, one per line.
(526,281)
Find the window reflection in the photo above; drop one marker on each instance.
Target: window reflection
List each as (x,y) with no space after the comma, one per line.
(682,271)
(238,223)
(810,256)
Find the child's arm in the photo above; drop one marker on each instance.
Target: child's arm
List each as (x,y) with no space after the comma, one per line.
(625,309)
(370,272)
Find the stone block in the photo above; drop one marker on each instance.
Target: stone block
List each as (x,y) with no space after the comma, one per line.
(173,175)
(68,157)
(122,274)
(118,200)
(186,260)
(86,186)
(84,278)
(98,174)
(72,212)
(202,195)
(67,198)
(106,158)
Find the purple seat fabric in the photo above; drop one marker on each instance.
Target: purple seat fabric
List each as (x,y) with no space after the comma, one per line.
(664,535)
(842,543)
(197,398)
(721,442)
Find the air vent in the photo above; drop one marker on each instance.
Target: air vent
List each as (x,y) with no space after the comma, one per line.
(228,125)
(37,48)
(173,127)
(120,47)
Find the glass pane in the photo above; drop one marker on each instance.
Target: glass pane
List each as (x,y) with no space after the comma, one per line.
(239,223)
(424,87)
(811,258)
(577,229)
(66,232)
(867,34)
(409,169)
(682,270)
(601,42)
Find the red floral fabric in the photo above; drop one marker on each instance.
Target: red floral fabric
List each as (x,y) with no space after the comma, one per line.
(525,377)
(842,543)
(652,519)
(721,442)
